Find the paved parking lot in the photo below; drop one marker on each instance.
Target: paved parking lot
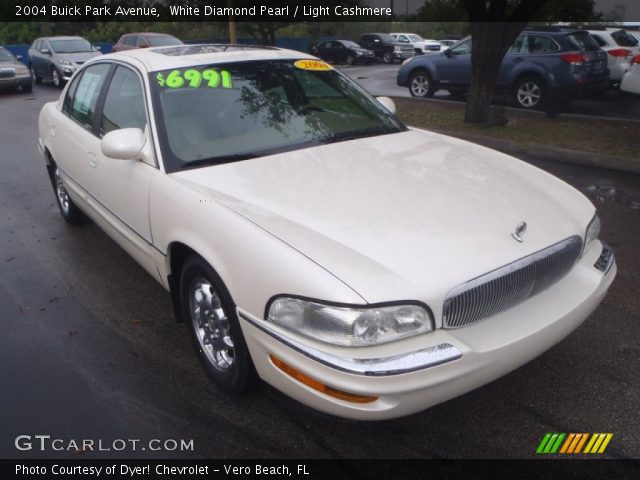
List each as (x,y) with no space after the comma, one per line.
(380,79)
(90,349)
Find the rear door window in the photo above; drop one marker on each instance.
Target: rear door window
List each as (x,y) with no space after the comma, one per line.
(82,99)
(541,44)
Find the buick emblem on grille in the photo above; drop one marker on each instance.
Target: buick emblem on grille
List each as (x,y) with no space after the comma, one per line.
(518,233)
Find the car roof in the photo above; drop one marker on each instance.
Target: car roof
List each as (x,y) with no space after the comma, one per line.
(161,58)
(62,37)
(148,34)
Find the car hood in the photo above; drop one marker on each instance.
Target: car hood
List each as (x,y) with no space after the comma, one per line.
(11,64)
(77,57)
(401,216)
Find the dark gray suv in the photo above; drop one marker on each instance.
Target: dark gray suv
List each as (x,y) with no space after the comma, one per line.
(56,58)
(542,64)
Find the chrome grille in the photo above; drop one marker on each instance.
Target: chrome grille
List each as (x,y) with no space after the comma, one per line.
(507,286)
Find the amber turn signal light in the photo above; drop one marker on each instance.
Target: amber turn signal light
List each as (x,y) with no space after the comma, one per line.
(321,387)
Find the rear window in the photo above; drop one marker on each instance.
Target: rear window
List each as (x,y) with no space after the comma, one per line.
(624,39)
(582,41)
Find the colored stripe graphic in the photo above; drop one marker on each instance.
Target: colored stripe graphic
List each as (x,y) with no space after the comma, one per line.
(573,443)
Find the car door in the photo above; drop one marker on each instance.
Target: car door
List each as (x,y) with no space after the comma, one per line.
(72,133)
(324,51)
(121,187)
(515,59)
(454,67)
(35,57)
(339,52)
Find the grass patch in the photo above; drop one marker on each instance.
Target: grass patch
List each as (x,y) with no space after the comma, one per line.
(605,137)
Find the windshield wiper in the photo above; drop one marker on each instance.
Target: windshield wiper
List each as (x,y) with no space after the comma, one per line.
(354,135)
(216,160)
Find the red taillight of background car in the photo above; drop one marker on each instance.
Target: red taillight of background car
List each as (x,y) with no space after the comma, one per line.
(635,60)
(620,52)
(573,58)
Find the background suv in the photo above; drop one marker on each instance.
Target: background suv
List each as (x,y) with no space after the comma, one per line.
(541,64)
(56,58)
(386,47)
(420,45)
(620,46)
(129,41)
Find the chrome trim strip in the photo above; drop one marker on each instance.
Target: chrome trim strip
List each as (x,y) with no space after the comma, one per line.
(374,367)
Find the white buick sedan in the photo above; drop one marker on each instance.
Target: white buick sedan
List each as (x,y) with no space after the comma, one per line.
(307,237)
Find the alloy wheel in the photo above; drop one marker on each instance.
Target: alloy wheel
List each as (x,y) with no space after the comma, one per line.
(211,325)
(529,94)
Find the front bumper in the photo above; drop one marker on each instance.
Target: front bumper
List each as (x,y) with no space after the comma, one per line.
(413,374)
(13,82)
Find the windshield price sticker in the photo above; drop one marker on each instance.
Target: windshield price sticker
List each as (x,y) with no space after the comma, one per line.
(193,78)
(312,65)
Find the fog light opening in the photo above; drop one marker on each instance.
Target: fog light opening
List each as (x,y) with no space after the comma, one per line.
(321,387)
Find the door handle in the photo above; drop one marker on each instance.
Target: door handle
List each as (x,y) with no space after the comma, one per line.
(52,129)
(92,160)
(518,59)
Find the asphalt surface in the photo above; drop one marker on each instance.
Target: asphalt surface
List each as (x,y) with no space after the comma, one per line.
(90,350)
(380,80)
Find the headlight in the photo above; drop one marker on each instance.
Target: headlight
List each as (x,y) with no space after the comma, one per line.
(593,232)
(22,71)
(397,48)
(349,326)
(64,62)
(358,53)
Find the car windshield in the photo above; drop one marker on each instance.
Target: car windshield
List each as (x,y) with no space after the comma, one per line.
(350,44)
(162,41)
(74,45)
(415,38)
(387,38)
(221,113)
(6,55)
(582,41)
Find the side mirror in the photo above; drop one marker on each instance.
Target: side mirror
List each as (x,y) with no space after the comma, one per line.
(45,51)
(387,103)
(447,53)
(123,144)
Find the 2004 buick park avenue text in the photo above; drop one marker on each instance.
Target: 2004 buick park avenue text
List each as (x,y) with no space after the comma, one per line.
(308,238)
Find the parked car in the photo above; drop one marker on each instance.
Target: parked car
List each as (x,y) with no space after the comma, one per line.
(447,43)
(386,47)
(343,51)
(620,46)
(57,58)
(13,73)
(631,80)
(366,269)
(131,41)
(541,64)
(420,45)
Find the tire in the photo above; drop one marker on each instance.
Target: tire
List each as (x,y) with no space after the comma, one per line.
(56,78)
(529,92)
(212,321)
(36,79)
(69,211)
(387,57)
(421,84)
(351,60)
